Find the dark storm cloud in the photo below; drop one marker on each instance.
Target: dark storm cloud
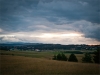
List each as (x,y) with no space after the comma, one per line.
(94,33)
(74,9)
(20,15)
(89,29)
(69,9)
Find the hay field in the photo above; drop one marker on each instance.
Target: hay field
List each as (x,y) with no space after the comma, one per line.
(20,65)
(43,55)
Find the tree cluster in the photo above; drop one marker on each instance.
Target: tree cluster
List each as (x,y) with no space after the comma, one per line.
(62,57)
(88,58)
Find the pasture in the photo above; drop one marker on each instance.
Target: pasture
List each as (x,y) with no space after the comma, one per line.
(41,63)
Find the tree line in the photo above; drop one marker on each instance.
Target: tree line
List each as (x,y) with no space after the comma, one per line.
(72,58)
(47,47)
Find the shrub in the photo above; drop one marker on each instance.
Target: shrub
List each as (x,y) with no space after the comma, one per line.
(87,58)
(59,57)
(64,58)
(97,56)
(72,58)
(12,54)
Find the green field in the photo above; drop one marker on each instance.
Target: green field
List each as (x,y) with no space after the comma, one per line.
(44,54)
(41,63)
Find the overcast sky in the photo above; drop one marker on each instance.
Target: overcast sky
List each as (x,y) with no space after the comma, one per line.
(50,21)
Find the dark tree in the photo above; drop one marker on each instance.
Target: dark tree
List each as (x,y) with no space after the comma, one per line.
(72,58)
(64,58)
(97,56)
(59,57)
(87,58)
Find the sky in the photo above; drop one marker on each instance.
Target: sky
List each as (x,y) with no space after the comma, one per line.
(50,21)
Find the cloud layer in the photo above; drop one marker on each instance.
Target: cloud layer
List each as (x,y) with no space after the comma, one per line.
(28,20)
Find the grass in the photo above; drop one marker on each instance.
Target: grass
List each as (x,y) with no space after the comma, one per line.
(20,65)
(45,54)
(33,54)
(41,63)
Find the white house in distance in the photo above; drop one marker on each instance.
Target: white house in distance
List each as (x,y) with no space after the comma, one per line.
(37,50)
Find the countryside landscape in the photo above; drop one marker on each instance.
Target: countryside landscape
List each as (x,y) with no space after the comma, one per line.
(41,62)
(49,37)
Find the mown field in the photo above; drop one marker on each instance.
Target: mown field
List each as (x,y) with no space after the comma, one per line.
(41,63)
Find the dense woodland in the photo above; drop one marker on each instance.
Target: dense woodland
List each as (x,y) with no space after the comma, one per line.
(40,46)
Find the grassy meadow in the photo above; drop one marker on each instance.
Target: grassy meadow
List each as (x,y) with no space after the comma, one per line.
(41,63)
